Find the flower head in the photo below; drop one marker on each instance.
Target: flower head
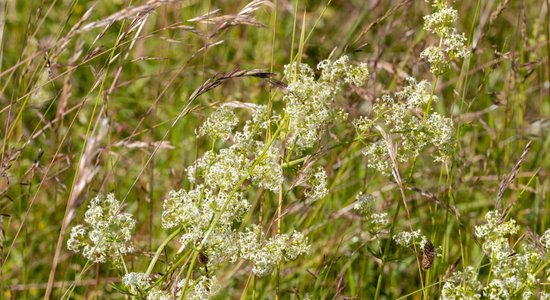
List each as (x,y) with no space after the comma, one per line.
(309,101)
(452,43)
(106,233)
(317,185)
(267,255)
(220,124)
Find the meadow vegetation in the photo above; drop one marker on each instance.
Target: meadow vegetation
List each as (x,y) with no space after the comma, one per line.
(221,149)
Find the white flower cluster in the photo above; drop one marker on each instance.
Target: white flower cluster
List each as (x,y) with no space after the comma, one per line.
(409,238)
(513,273)
(268,254)
(195,210)
(495,234)
(267,173)
(246,158)
(309,101)
(439,130)
(341,70)
(462,285)
(545,240)
(220,124)
(317,185)
(399,117)
(137,283)
(157,294)
(202,288)
(415,94)
(364,203)
(140,286)
(106,233)
(452,43)
(210,212)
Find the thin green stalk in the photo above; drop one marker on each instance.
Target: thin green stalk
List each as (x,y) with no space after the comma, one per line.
(386,250)
(160,249)
(432,92)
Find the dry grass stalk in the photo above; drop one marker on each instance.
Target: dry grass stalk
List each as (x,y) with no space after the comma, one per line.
(500,8)
(243,17)
(218,79)
(508,179)
(86,173)
(145,145)
(127,13)
(64,41)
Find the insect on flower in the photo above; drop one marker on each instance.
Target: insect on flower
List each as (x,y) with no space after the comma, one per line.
(428,255)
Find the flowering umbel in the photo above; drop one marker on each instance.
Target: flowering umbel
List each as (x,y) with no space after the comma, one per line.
(513,273)
(208,216)
(309,101)
(411,132)
(406,122)
(106,233)
(451,43)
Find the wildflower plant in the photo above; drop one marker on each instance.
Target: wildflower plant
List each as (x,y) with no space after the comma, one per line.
(406,119)
(404,123)
(208,216)
(514,270)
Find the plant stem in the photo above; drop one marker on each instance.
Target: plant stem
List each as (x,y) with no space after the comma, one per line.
(159,250)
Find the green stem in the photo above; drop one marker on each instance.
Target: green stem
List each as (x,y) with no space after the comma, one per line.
(386,250)
(542,268)
(434,84)
(160,249)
